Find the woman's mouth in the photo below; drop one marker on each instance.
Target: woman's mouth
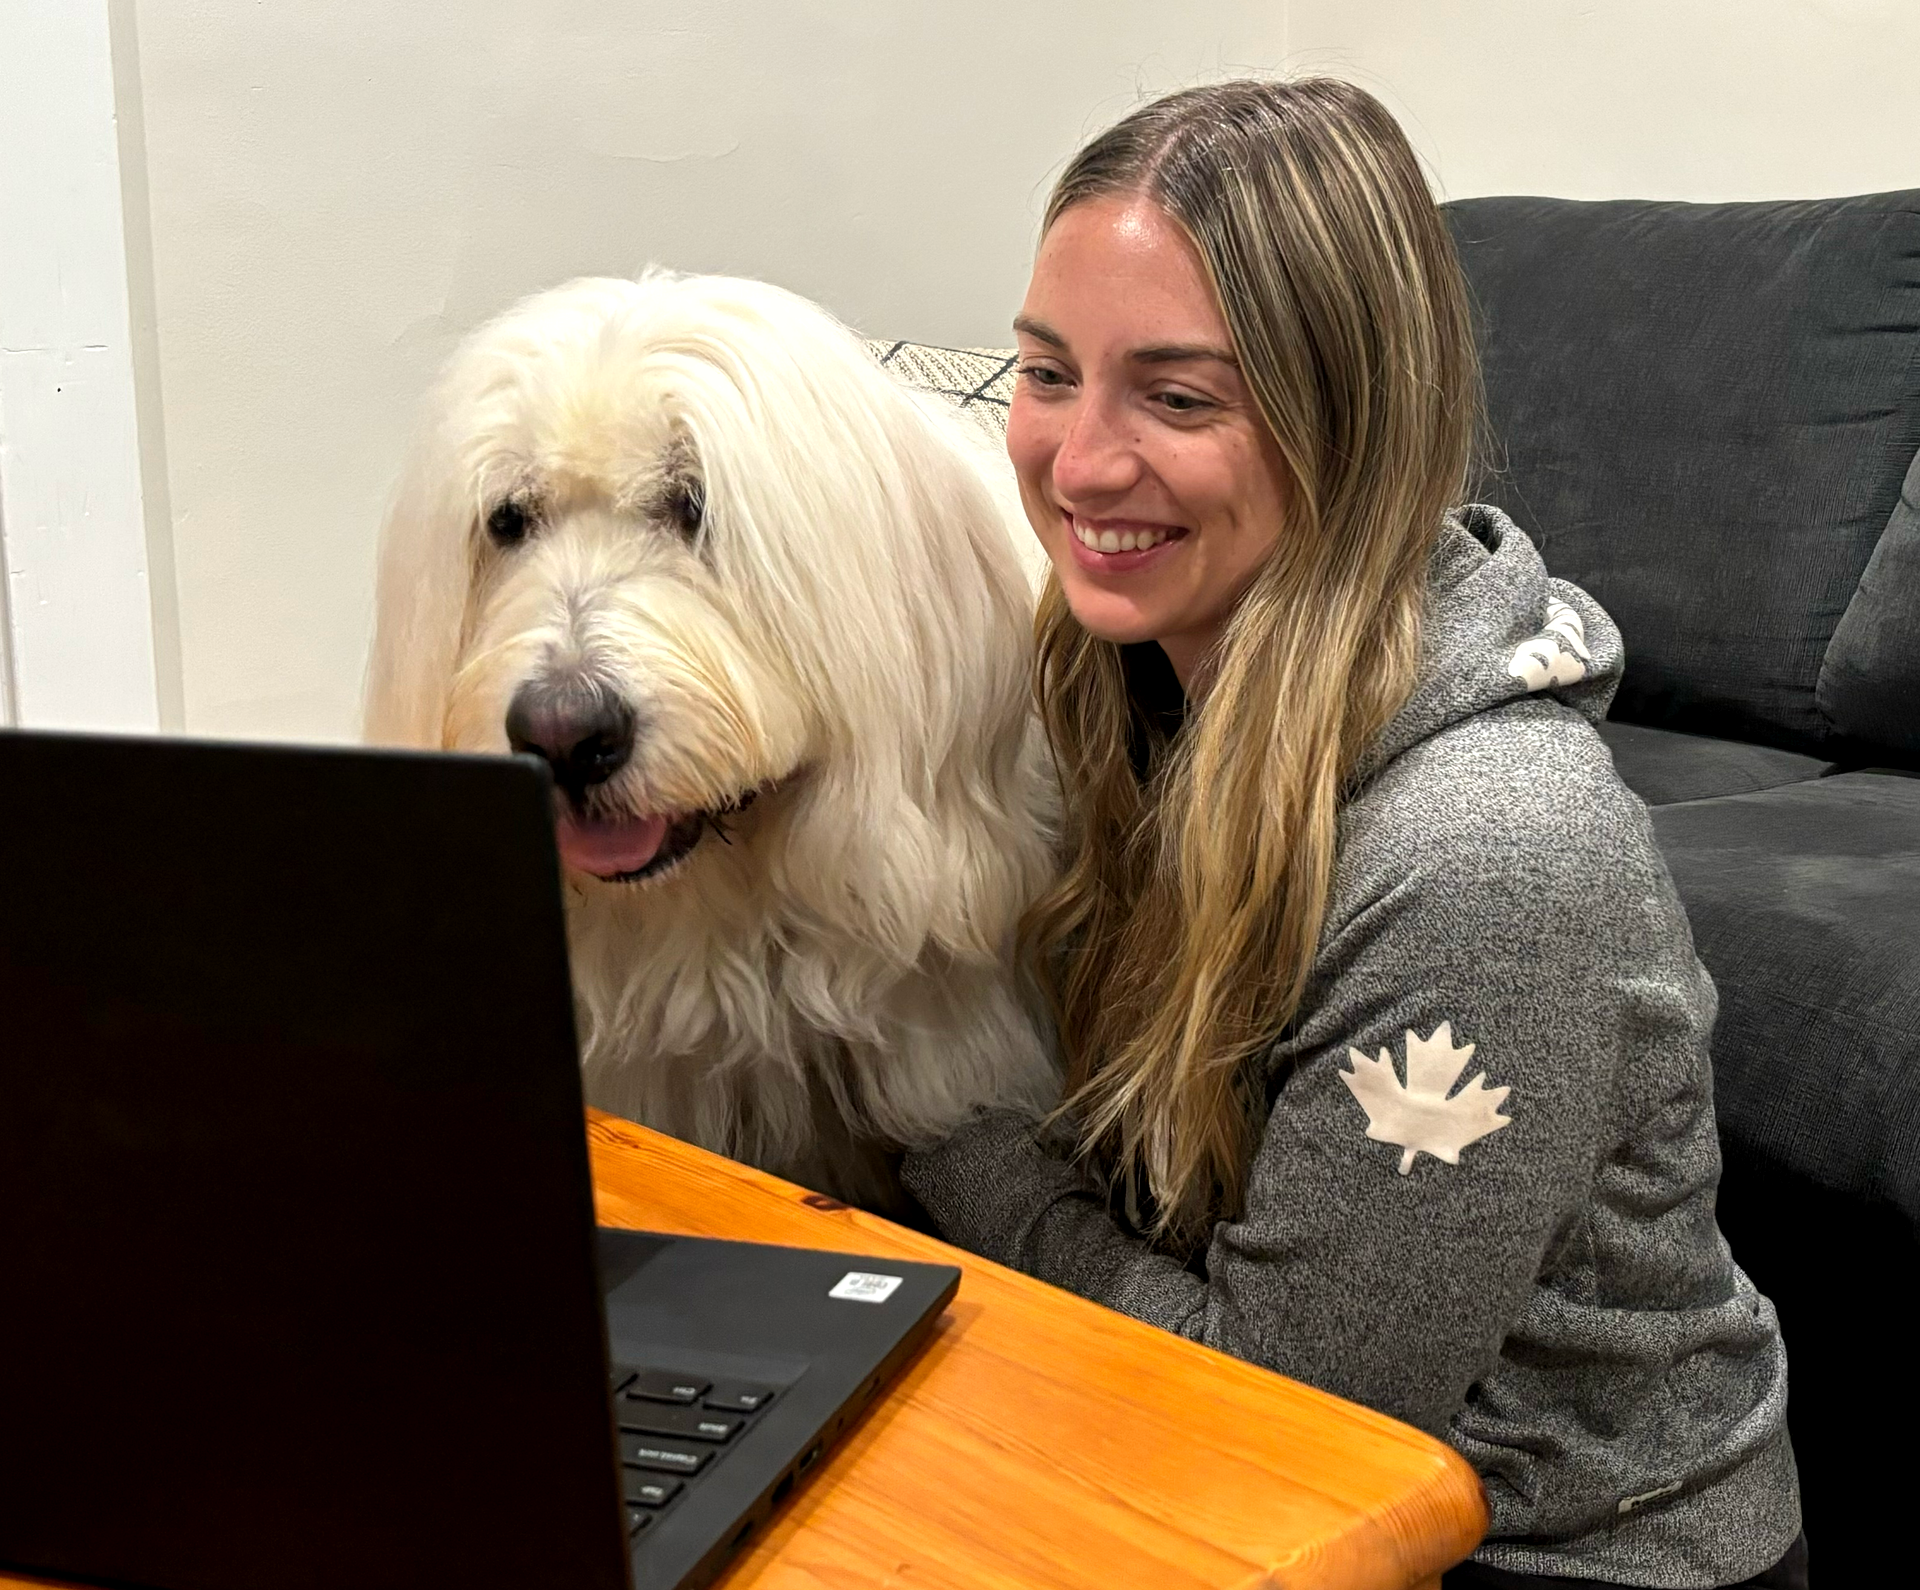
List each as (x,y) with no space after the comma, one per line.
(1119,546)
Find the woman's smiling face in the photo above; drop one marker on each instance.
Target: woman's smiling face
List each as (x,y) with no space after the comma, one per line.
(1144,465)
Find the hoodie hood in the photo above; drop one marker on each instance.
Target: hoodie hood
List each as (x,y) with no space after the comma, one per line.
(1497,628)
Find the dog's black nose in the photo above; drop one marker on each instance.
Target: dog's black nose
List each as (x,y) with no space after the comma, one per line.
(583,730)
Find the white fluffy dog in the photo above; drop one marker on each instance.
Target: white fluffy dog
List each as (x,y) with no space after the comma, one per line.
(763,612)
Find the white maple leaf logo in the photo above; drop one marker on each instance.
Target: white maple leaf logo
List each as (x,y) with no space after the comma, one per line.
(1420,1117)
(1558,655)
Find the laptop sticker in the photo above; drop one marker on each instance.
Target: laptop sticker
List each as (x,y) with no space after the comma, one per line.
(857,1286)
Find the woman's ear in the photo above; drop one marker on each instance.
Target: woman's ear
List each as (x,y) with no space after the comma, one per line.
(420,602)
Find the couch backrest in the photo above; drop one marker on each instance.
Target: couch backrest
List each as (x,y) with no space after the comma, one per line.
(1703,413)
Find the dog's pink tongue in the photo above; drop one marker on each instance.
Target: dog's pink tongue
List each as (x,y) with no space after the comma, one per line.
(609,847)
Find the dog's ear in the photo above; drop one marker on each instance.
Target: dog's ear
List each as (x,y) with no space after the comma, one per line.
(420,599)
(874,531)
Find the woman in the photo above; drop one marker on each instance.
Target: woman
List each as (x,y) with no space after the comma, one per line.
(1342,838)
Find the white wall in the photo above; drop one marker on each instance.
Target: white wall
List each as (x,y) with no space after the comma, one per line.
(1659,99)
(77,596)
(338,191)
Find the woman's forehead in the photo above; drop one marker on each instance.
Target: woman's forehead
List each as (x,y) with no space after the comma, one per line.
(1120,270)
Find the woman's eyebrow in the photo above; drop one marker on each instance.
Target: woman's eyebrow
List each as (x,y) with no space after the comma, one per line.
(1039,330)
(1178,352)
(1158,353)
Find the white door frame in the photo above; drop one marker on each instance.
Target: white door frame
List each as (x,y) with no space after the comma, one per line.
(78,605)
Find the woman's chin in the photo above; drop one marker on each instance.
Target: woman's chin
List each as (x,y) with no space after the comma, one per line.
(1110,617)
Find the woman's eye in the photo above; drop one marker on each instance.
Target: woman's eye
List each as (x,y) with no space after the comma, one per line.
(1041,374)
(1181,402)
(509,523)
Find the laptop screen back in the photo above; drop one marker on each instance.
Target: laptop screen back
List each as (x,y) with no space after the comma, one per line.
(295,1219)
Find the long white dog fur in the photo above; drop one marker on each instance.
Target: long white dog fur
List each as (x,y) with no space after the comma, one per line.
(807,586)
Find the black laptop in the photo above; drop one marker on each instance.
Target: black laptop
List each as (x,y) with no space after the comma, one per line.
(299,1279)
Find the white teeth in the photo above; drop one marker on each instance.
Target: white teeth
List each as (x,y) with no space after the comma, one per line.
(1118,540)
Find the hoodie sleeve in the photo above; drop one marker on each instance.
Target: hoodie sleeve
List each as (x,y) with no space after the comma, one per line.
(1500,949)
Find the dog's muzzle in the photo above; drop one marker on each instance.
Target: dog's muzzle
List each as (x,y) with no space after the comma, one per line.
(580,728)
(585,732)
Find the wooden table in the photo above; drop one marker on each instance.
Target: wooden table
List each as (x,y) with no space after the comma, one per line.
(1041,1440)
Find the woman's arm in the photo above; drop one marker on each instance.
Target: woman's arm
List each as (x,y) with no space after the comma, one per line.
(1550,941)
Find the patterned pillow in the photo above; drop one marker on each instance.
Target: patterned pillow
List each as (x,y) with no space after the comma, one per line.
(977,380)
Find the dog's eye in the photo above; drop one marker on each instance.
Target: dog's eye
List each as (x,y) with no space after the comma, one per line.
(509,523)
(686,506)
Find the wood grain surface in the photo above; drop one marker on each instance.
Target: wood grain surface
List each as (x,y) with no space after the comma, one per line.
(1041,1440)
(1044,1440)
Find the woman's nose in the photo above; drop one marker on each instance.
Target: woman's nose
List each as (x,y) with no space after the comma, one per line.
(1097,457)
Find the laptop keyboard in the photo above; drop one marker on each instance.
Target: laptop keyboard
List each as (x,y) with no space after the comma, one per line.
(673,1428)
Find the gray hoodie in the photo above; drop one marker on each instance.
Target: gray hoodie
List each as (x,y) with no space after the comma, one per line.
(1483,1196)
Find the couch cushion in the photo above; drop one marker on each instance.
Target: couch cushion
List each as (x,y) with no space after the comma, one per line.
(978,380)
(1833,1264)
(1805,905)
(1870,686)
(1661,766)
(1702,413)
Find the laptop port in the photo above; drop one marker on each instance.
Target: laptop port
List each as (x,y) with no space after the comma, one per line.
(807,1461)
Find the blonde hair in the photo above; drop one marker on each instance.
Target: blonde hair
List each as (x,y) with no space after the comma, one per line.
(1179,940)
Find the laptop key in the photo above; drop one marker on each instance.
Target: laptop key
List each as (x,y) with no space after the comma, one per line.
(637,1519)
(736,1396)
(648,1490)
(620,1374)
(660,1385)
(693,1423)
(644,1452)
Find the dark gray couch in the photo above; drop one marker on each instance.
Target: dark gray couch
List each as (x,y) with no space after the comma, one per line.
(1709,417)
